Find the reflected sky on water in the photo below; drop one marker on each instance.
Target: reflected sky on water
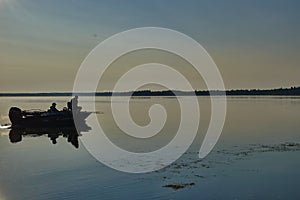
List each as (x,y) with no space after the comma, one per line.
(252,159)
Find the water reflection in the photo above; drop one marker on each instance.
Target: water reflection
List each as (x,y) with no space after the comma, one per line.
(70,133)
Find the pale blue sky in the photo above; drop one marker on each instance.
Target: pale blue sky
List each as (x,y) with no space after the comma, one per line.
(42,43)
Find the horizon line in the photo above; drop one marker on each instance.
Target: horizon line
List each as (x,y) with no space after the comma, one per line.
(293,90)
(202,90)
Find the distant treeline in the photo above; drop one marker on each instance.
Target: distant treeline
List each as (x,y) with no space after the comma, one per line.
(293,91)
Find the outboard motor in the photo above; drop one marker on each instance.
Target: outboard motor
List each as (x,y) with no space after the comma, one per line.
(15,115)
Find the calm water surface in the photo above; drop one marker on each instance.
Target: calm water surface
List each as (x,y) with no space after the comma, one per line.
(256,156)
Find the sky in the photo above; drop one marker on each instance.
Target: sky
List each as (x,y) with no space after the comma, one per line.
(255,44)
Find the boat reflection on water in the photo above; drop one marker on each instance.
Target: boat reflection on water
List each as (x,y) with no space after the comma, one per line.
(70,133)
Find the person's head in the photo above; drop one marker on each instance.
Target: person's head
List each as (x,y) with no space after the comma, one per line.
(53,104)
(76,97)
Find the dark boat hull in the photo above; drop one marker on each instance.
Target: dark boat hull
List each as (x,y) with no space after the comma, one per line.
(44,119)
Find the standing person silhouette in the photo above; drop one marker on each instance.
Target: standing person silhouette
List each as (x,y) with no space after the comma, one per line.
(73,104)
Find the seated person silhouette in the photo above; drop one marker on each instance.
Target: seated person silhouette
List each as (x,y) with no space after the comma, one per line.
(53,108)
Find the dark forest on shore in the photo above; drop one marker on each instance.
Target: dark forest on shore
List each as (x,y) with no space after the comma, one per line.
(292,91)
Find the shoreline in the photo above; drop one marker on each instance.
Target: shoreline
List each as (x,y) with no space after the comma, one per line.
(293,91)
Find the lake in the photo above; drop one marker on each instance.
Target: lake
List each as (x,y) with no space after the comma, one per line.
(256,157)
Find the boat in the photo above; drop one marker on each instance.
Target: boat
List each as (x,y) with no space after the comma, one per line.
(38,118)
